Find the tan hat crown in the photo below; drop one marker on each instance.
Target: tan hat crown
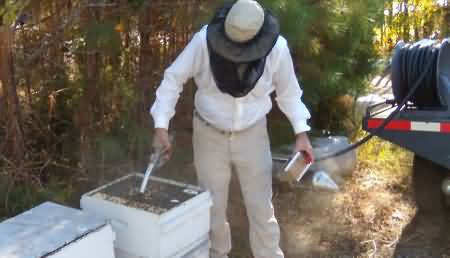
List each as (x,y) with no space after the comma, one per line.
(244,20)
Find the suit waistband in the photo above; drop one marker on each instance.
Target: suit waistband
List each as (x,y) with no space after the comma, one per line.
(221,131)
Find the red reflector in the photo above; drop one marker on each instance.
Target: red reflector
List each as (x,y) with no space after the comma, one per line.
(397,125)
(374,123)
(445,127)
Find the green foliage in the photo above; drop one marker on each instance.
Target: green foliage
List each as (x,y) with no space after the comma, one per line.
(412,21)
(332,44)
(135,4)
(103,37)
(277,131)
(11,9)
(18,197)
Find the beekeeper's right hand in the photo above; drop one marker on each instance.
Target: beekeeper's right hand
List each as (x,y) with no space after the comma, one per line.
(161,142)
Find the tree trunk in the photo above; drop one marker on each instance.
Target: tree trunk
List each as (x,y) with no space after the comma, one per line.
(144,84)
(406,28)
(145,63)
(3,105)
(87,103)
(13,147)
(389,24)
(445,26)
(2,5)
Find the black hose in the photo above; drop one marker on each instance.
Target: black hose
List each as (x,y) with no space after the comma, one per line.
(419,82)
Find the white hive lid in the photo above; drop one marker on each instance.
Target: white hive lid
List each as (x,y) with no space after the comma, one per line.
(44,230)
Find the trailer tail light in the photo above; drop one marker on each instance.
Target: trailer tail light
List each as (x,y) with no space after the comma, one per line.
(405,125)
(445,127)
(394,125)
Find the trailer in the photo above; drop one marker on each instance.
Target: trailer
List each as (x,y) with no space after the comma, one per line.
(418,118)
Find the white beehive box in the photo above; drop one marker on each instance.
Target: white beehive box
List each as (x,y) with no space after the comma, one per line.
(175,224)
(54,231)
(199,251)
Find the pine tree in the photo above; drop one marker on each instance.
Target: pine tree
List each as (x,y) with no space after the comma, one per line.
(332,42)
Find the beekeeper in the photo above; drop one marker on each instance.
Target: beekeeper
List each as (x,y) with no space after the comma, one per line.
(237,61)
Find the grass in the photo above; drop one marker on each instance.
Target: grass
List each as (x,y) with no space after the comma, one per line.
(386,159)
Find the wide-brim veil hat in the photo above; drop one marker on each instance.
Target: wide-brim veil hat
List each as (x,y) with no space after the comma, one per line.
(242,52)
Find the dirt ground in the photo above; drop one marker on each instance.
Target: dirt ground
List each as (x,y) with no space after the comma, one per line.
(320,224)
(374,214)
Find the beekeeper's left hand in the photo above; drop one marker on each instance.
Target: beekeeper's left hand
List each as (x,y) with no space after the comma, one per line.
(303,145)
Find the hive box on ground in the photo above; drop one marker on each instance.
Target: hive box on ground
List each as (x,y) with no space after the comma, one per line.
(54,231)
(199,251)
(171,220)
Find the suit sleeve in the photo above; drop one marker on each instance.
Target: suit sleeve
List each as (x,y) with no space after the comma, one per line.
(186,65)
(289,93)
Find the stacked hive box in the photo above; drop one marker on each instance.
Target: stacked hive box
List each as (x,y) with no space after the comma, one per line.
(54,231)
(171,221)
